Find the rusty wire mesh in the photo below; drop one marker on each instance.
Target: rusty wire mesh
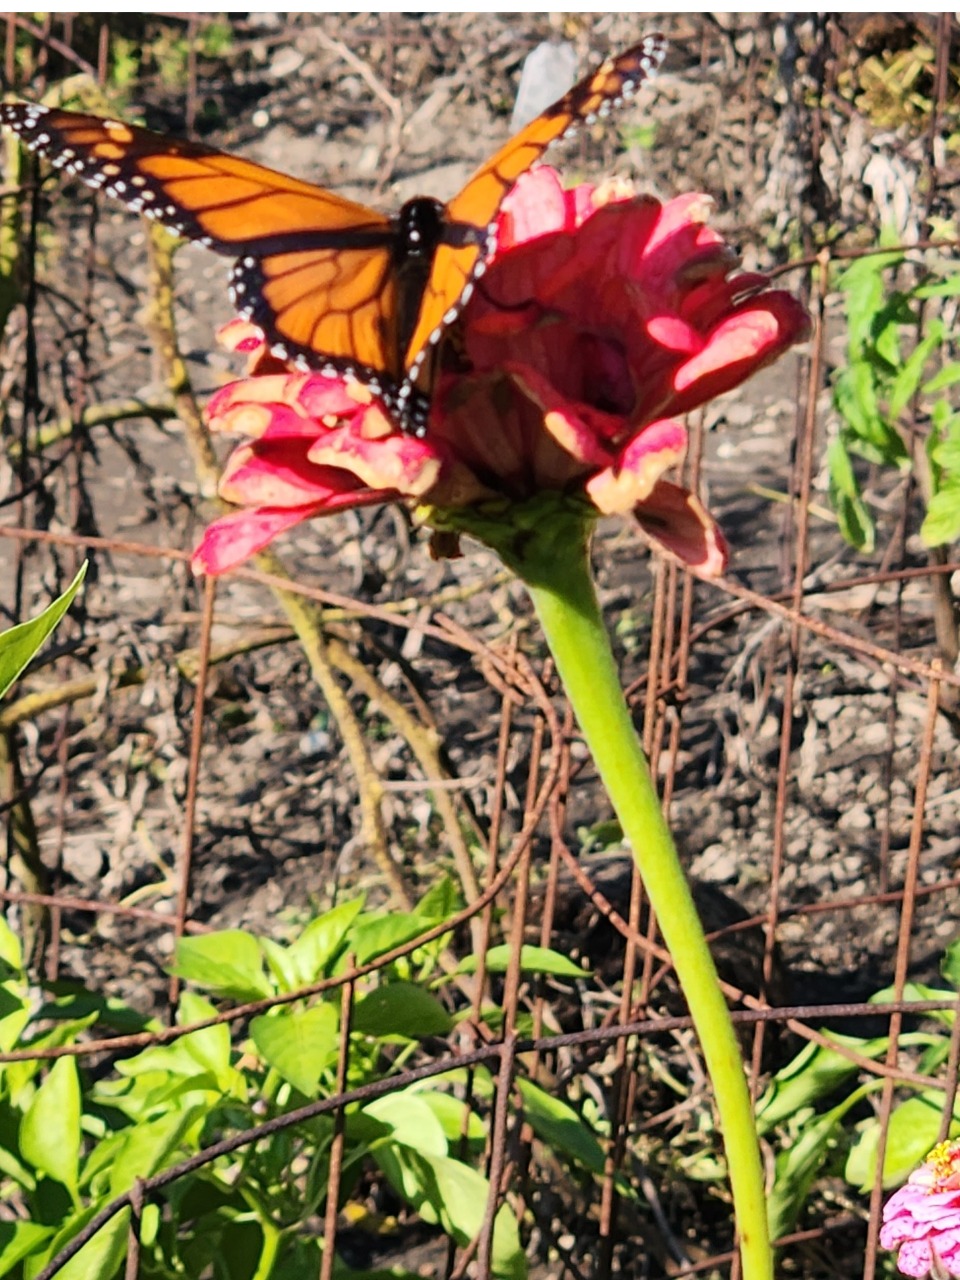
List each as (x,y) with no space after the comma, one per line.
(174,748)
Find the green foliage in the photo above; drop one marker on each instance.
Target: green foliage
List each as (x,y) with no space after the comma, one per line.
(887,376)
(70,1143)
(809,1103)
(19,644)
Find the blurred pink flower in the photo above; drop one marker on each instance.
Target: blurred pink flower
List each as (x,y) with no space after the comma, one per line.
(922,1219)
(601,316)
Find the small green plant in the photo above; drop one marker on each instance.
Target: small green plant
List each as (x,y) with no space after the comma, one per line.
(891,378)
(809,1104)
(72,1143)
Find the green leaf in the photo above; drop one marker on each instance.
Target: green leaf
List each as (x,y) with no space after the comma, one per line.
(941,524)
(150,1145)
(456,1118)
(918,991)
(856,524)
(50,1128)
(908,378)
(210,1046)
(797,1167)
(229,964)
(867,432)
(814,1073)
(862,285)
(913,1129)
(322,941)
(945,377)
(20,643)
(14,1016)
(18,1240)
(557,1124)
(950,965)
(440,901)
(300,1044)
(532,960)
(279,964)
(11,953)
(450,1194)
(375,934)
(412,1121)
(401,1008)
(948,288)
(101,1257)
(944,446)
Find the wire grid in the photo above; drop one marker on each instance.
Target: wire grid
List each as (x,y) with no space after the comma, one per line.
(527,803)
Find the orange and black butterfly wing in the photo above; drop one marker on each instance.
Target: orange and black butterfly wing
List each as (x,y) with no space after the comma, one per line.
(315,270)
(468,234)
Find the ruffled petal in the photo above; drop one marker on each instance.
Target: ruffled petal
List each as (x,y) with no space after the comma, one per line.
(620,488)
(677,520)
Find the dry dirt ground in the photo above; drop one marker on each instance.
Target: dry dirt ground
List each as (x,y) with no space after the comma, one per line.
(416,105)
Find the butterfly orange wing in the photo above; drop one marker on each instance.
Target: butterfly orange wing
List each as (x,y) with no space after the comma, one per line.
(314,269)
(468,236)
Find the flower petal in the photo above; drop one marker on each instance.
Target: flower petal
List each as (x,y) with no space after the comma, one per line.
(620,488)
(753,336)
(402,464)
(229,541)
(676,520)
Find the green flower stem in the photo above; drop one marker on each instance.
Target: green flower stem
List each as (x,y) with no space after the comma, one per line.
(555,566)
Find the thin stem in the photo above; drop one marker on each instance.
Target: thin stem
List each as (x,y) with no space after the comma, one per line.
(566,602)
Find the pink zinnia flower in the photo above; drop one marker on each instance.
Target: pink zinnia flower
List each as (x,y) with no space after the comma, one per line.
(923,1217)
(601,316)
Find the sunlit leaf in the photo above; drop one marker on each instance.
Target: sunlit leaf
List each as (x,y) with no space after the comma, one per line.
(557,1124)
(532,960)
(300,1044)
(50,1128)
(19,644)
(229,963)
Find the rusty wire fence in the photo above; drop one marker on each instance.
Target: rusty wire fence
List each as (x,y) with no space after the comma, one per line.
(247,752)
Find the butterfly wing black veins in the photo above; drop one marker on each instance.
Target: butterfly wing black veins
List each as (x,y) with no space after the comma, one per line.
(335,286)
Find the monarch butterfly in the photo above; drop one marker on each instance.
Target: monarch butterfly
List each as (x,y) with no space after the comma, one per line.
(334,286)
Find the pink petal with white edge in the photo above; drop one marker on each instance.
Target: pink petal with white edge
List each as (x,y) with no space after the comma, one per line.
(581,430)
(676,520)
(619,488)
(404,464)
(240,335)
(741,337)
(281,477)
(686,214)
